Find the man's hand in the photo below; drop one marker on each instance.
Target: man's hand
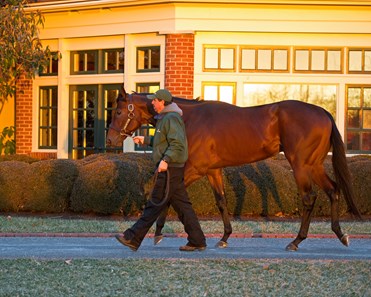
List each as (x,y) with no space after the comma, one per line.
(138,139)
(162,166)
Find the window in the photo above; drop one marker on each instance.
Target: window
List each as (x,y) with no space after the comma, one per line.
(222,91)
(147,87)
(358,119)
(113,60)
(52,68)
(91,108)
(148,59)
(84,62)
(48,117)
(359,61)
(97,61)
(264,59)
(318,60)
(321,95)
(218,58)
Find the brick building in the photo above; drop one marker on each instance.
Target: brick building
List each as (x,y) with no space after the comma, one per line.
(242,52)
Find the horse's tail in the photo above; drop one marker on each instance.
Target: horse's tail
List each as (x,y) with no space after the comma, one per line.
(341,170)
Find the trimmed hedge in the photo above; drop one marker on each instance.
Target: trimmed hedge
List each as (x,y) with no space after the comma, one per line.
(121,183)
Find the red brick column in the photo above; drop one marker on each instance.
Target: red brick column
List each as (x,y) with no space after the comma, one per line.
(23,116)
(179,64)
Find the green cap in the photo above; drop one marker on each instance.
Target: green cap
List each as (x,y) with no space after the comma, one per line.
(161,94)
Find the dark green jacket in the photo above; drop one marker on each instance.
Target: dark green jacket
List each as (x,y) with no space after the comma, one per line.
(169,142)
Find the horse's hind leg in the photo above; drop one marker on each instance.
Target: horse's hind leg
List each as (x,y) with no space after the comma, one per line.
(308,199)
(215,178)
(329,186)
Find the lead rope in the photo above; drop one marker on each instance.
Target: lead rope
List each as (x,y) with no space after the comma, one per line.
(165,199)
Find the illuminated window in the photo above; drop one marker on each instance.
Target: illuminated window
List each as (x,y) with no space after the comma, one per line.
(318,60)
(51,69)
(258,94)
(359,61)
(48,116)
(219,91)
(264,59)
(148,59)
(358,119)
(97,61)
(113,60)
(217,58)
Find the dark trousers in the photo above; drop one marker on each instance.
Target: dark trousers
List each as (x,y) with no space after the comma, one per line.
(178,198)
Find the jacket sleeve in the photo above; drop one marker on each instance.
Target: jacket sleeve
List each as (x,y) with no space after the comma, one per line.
(177,150)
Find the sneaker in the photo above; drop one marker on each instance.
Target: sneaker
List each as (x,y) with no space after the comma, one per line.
(126,242)
(191,248)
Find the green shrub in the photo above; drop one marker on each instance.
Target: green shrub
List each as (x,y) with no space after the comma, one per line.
(121,183)
(38,187)
(12,185)
(111,183)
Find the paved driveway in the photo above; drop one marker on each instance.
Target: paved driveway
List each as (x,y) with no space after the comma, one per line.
(244,248)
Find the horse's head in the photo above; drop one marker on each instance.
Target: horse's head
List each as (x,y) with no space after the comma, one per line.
(132,111)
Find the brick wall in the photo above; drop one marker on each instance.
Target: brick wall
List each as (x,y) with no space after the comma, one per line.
(23,116)
(179,64)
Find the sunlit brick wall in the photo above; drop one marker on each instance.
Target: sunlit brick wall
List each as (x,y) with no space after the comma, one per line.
(180,64)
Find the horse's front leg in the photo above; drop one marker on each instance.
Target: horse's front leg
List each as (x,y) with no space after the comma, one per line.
(160,223)
(215,178)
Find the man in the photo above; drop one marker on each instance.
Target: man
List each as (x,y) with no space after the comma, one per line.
(170,152)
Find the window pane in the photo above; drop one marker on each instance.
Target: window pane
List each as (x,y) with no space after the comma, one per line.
(366,141)
(90,62)
(353,119)
(226,94)
(318,60)
(155,58)
(334,60)
(142,57)
(211,58)
(280,60)
(227,58)
(355,60)
(321,95)
(78,62)
(301,60)
(211,93)
(354,97)
(367,97)
(44,117)
(111,60)
(367,61)
(248,59)
(264,59)
(353,141)
(367,119)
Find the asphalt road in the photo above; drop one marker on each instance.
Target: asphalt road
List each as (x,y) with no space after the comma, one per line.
(239,248)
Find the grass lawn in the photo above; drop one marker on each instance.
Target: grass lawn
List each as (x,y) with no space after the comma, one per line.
(173,277)
(168,277)
(58,224)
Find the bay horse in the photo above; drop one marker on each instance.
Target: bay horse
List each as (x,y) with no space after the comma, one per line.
(221,134)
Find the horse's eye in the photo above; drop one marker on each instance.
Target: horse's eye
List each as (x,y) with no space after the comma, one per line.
(118,111)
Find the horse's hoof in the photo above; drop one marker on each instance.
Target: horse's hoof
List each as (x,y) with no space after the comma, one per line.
(157,239)
(291,247)
(345,239)
(221,244)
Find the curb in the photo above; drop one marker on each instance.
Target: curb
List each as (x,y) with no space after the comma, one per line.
(182,235)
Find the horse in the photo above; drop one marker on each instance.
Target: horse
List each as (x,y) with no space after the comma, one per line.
(221,135)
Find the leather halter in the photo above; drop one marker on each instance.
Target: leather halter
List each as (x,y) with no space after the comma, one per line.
(131,115)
